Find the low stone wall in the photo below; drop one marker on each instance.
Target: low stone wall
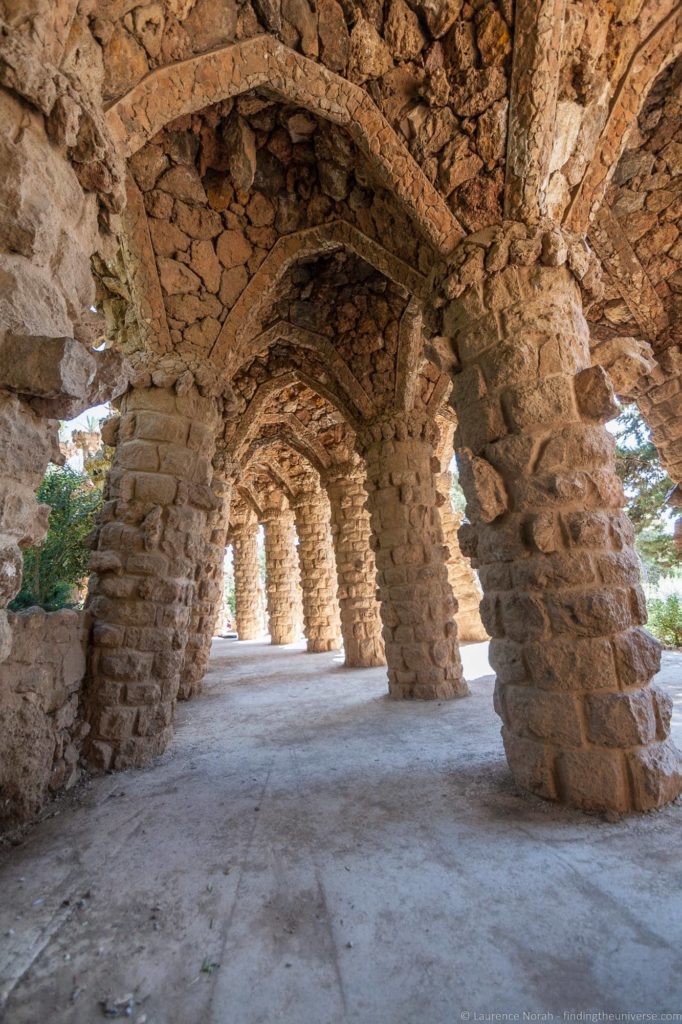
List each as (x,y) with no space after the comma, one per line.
(40,726)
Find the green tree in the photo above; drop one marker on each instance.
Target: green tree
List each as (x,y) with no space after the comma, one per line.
(54,571)
(646,485)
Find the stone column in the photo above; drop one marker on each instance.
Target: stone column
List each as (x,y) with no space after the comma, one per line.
(158,499)
(207,597)
(281,574)
(463,580)
(417,606)
(322,625)
(246,578)
(363,643)
(555,553)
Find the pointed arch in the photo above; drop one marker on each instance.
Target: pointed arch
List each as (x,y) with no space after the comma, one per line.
(661,47)
(229,348)
(263,62)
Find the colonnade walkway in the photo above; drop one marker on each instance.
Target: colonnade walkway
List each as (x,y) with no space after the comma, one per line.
(309,851)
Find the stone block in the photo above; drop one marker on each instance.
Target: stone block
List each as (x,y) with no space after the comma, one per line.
(157,426)
(531,764)
(620,719)
(656,773)
(155,488)
(43,367)
(638,657)
(593,780)
(540,404)
(544,715)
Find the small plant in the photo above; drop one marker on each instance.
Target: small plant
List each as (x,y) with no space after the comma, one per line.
(665,619)
(54,572)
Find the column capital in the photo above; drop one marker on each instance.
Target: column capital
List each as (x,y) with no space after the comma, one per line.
(490,251)
(397,426)
(306,498)
(348,469)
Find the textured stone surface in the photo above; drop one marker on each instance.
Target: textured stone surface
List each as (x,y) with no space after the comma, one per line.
(314,190)
(247,588)
(417,605)
(321,621)
(363,643)
(562,599)
(155,522)
(41,726)
(282,575)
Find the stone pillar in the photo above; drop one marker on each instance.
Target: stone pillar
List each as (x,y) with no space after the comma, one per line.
(156,509)
(363,643)
(281,574)
(247,578)
(322,625)
(555,553)
(463,580)
(207,597)
(417,606)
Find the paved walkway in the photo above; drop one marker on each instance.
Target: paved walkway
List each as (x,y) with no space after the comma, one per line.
(309,852)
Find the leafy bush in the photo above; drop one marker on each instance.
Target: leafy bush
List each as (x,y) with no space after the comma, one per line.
(646,485)
(665,619)
(54,571)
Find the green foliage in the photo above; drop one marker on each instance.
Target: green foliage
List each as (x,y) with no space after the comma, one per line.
(646,485)
(665,619)
(54,571)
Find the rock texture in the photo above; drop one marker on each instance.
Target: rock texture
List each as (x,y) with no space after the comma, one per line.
(303,223)
(560,577)
(244,537)
(363,643)
(41,726)
(321,621)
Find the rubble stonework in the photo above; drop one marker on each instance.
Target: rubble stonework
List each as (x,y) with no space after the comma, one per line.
(207,595)
(150,538)
(321,619)
(301,224)
(562,600)
(248,598)
(41,726)
(363,643)
(282,575)
(417,606)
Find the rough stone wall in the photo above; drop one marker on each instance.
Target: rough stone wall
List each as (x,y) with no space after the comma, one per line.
(247,588)
(281,575)
(54,153)
(463,580)
(321,619)
(41,726)
(417,605)
(207,598)
(562,599)
(363,643)
(149,543)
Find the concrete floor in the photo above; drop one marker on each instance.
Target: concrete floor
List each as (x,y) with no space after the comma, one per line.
(312,853)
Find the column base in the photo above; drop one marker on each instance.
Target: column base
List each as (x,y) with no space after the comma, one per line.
(447,689)
(321,646)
